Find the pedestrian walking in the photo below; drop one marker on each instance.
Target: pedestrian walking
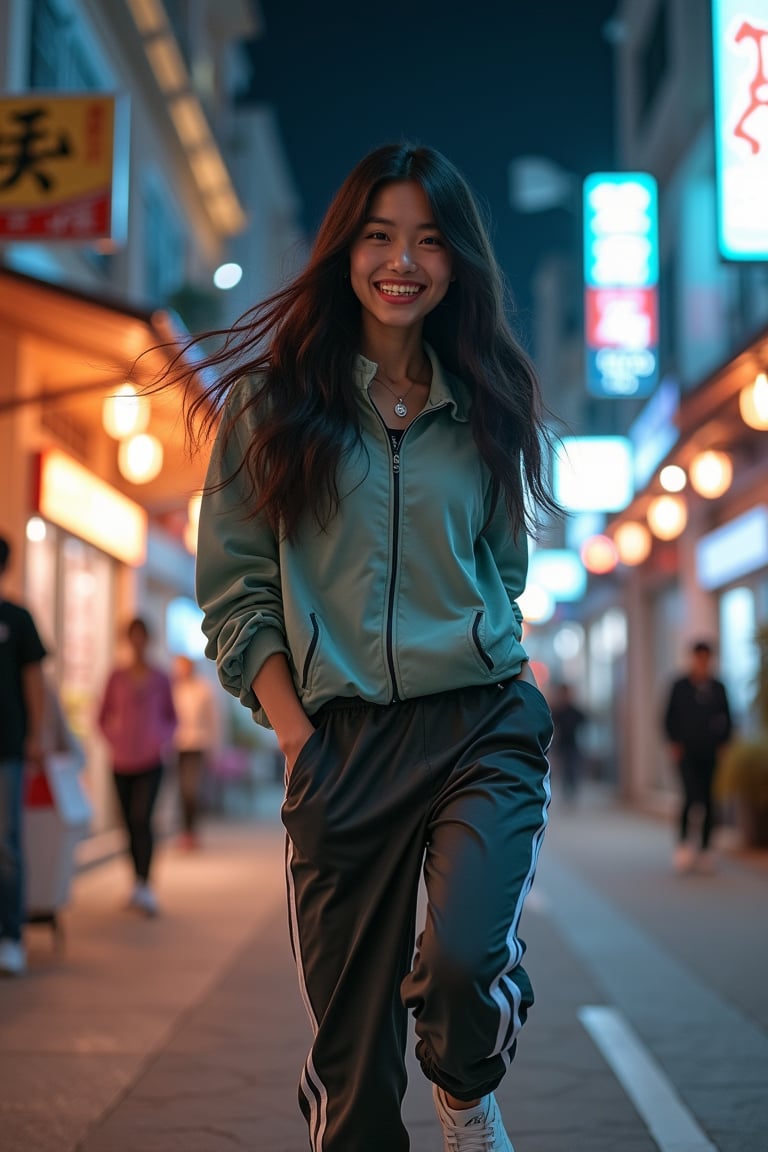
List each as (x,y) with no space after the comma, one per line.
(194,740)
(567,755)
(697,721)
(22,704)
(138,719)
(362,546)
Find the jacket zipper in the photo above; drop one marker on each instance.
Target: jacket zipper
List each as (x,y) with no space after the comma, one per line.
(393,570)
(390,648)
(311,650)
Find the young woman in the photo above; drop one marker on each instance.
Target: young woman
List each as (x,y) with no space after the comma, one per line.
(362,544)
(138,719)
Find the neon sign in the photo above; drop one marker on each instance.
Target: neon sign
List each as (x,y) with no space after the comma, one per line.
(621,272)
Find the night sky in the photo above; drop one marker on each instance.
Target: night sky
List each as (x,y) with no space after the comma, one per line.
(482,80)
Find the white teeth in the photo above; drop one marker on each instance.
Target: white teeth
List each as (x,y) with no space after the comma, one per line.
(400,289)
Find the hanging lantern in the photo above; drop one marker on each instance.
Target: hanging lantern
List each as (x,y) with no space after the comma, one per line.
(633,542)
(667,516)
(753,403)
(711,474)
(599,555)
(124,412)
(140,458)
(673,478)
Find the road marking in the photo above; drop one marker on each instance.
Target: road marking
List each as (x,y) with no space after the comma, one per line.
(669,1122)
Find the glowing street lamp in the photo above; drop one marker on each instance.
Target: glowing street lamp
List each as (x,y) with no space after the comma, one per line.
(124,412)
(667,517)
(711,474)
(673,478)
(753,403)
(599,555)
(140,458)
(633,542)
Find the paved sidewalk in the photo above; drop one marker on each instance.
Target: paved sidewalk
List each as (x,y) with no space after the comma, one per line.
(187,1033)
(83,1028)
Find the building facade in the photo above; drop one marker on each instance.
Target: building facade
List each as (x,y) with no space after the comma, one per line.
(196,182)
(707,575)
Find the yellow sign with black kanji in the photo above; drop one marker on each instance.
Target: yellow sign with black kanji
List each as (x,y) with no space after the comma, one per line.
(57,160)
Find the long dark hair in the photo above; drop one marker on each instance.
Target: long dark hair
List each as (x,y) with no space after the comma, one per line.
(303,340)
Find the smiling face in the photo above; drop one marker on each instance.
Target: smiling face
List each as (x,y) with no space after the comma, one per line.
(399,265)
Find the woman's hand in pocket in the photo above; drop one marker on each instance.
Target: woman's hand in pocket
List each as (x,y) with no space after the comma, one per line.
(526,673)
(292,743)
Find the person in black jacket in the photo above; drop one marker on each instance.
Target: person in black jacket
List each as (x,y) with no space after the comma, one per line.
(22,696)
(697,721)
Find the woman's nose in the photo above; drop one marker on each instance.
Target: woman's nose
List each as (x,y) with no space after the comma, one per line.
(404,261)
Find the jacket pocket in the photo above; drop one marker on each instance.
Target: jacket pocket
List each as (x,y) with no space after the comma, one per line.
(311,651)
(477,640)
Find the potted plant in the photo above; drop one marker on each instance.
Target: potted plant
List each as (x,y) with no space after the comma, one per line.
(742,774)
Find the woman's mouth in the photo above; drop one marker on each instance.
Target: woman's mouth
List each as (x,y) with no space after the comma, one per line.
(399,292)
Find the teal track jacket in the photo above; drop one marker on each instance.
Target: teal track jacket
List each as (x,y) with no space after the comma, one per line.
(402,595)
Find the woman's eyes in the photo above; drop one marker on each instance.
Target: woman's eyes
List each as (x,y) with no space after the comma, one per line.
(429,241)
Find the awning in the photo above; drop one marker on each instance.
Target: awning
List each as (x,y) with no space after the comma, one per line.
(63,351)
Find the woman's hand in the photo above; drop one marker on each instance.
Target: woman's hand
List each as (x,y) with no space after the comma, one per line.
(273,686)
(292,743)
(526,673)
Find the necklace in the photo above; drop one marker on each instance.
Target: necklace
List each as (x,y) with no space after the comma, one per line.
(399,408)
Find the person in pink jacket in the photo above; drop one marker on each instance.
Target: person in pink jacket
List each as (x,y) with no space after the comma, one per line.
(138,719)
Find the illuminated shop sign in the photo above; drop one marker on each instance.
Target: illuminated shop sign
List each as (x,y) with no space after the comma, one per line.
(740,56)
(560,571)
(654,431)
(58,158)
(621,273)
(734,549)
(72,497)
(593,473)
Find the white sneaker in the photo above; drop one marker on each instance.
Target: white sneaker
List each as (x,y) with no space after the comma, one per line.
(477,1129)
(13,957)
(145,900)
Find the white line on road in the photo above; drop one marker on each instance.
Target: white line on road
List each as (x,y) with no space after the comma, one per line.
(669,1122)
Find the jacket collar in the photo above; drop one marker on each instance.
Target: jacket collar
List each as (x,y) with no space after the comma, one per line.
(444,389)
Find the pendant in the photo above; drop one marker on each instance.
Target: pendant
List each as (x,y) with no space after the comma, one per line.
(400,409)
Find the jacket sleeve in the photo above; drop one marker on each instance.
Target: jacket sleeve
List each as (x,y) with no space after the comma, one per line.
(510,554)
(237,572)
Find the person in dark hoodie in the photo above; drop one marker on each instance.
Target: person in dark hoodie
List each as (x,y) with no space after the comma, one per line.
(697,721)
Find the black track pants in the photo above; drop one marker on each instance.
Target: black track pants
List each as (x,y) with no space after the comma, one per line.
(458,785)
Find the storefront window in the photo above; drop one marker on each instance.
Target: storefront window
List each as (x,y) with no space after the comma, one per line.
(738,652)
(69,589)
